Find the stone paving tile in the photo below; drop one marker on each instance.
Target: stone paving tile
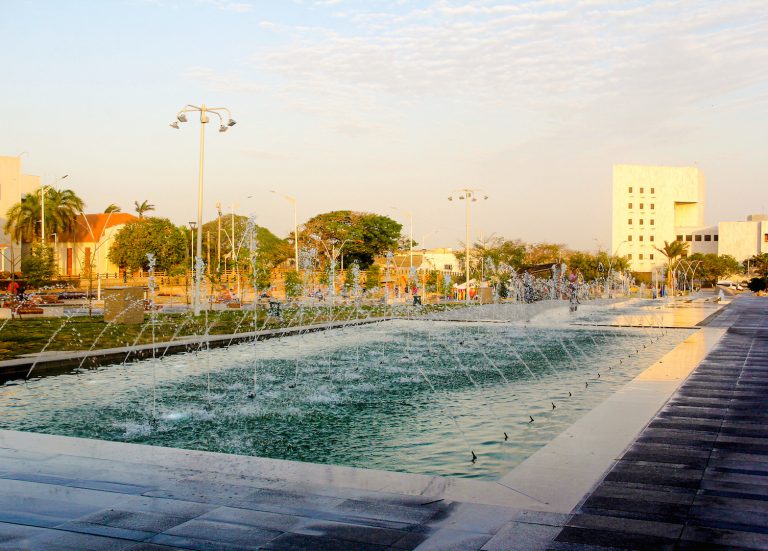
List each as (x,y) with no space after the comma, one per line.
(699,471)
(521,536)
(302,542)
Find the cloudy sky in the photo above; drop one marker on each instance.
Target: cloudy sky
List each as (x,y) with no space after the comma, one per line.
(389,105)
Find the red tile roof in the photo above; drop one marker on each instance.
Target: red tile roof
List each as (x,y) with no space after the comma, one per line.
(90,227)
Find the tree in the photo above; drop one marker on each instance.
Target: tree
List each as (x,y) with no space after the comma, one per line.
(487,257)
(757,284)
(112,208)
(270,249)
(39,267)
(144,206)
(544,253)
(293,285)
(596,266)
(373,277)
(150,235)
(712,268)
(760,264)
(671,251)
(62,208)
(366,235)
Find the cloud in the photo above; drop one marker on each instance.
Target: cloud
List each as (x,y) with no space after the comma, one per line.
(220,81)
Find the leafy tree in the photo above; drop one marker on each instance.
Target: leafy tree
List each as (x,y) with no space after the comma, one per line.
(712,267)
(373,277)
(366,235)
(292,284)
(760,263)
(487,257)
(144,206)
(270,249)
(596,266)
(62,208)
(544,253)
(112,208)
(149,235)
(757,284)
(39,267)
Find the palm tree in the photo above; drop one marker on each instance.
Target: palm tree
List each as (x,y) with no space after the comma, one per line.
(672,251)
(143,207)
(112,208)
(62,208)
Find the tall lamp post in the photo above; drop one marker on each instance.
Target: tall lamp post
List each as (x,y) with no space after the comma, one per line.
(469,195)
(292,201)
(224,125)
(42,206)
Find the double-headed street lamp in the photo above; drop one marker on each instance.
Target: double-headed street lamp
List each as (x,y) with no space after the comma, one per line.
(224,125)
(470,196)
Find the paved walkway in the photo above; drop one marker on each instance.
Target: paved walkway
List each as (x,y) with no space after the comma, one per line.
(697,476)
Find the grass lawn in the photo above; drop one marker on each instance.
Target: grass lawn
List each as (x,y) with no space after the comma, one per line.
(29,336)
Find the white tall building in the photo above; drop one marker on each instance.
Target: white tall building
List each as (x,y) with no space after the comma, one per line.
(654,204)
(13,186)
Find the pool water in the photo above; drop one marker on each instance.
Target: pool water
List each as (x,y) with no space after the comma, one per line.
(407,395)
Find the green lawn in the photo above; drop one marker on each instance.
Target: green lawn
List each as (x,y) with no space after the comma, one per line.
(27,336)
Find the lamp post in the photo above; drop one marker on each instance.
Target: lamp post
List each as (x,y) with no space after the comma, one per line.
(181,116)
(292,201)
(470,196)
(192,226)
(42,206)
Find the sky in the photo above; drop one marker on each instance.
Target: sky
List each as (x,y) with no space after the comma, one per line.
(389,106)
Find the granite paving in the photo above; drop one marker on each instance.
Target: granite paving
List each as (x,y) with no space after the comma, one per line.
(697,476)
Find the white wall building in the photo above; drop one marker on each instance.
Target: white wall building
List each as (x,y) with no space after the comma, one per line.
(14,184)
(654,204)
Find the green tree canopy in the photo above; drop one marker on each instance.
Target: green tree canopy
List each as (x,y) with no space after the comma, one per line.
(710,267)
(596,266)
(270,249)
(760,263)
(367,235)
(39,267)
(487,256)
(62,208)
(150,235)
(544,253)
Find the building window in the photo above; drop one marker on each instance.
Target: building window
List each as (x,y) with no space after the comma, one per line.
(629,238)
(629,256)
(640,238)
(652,220)
(629,221)
(641,221)
(689,237)
(448,267)
(651,239)
(698,237)
(629,205)
(640,256)
(642,190)
(707,238)
(651,255)
(716,236)
(653,206)
(641,206)
(765,238)
(679,237)
(653,191)
(630,189)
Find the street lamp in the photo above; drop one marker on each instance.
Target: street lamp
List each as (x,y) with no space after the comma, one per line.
(192,226)
(292,201)
(224,125)
(470,196)
(410,235)
(42,206)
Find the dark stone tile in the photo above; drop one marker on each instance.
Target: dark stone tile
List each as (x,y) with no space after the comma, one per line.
(731,539)
(384,511)
(134,520)
(625,525)
(607,538)
(302,542)
(225,533)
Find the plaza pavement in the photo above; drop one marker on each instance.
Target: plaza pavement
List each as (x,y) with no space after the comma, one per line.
(695,478)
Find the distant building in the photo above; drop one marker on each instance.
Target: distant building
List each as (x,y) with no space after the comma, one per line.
(654,204)
(86,248)
(14,184)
